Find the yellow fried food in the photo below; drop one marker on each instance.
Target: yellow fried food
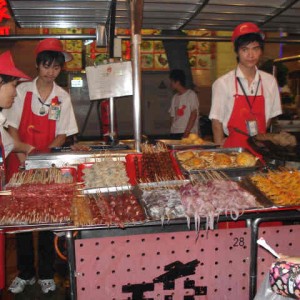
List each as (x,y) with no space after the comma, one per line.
(222,159)
(199,141)
(193,136)
(196,163)
(246,159)
(186,155)
(185,141)
(282,188)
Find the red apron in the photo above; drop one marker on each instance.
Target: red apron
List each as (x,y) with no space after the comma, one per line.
(242,111)
(35,130)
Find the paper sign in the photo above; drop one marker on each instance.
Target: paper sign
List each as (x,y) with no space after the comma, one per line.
(109,80)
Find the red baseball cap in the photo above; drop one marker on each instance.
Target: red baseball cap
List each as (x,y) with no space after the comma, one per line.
(7,67)
(52,44)
(245,28)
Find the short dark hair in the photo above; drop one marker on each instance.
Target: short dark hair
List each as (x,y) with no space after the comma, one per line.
(7,78)
(48,57)
(246,39)
(178,75)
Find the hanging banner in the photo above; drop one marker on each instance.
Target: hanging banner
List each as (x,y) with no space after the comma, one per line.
(109,80)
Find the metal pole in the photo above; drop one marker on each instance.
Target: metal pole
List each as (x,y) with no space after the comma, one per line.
(136,73)
(280,216)
(137,93)
(71,264)
(112,117)
(284,40)
(253,258)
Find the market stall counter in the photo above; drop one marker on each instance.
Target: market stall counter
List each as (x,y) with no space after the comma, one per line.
(150,259)
(150,228)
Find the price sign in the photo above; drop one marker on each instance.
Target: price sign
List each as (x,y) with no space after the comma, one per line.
(109,80)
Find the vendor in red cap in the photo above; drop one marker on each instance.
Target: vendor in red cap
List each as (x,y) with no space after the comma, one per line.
(245,99)
(42,115)
(9,75)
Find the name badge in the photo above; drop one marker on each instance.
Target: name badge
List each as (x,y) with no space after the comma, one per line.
(252,127)
(54,112)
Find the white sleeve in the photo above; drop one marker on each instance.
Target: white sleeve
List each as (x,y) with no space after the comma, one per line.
(217,102)
(14,114)
(172,108)
(276,109)
(7,141)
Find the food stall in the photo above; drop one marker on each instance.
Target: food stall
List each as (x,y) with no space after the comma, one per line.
(142,228)
(153,250)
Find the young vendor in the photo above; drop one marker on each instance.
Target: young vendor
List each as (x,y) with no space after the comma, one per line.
(246,99)
(42,116)
(9,76)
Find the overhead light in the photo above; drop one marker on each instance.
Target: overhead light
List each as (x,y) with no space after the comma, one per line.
(87,42)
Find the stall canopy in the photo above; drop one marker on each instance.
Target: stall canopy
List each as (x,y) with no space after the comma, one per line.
(270,15)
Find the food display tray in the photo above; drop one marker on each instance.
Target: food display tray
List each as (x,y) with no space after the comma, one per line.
(66,159)
(102,190)
(93,148)
(271,151)
(177,145)
(262,198)
(229,171)
(163,184)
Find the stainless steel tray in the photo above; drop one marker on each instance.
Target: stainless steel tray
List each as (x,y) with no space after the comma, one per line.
(162,184)
(102,190)
(230,171)
(177,145)
(65,159)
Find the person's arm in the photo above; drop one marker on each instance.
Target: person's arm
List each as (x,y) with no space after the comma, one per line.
(292,259)
(218,132)
(58,141)
(190,123)
(21,149)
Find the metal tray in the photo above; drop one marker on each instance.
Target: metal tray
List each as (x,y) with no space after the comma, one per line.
(235,171)
(102,190)
(263,198)
(64,159)
(177,145)
(163,184)
(92,147)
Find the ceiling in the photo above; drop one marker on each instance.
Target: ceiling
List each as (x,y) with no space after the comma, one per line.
(270,15)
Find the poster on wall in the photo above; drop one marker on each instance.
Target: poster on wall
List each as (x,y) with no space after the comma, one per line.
(109,80)
(154,58)
(74,47)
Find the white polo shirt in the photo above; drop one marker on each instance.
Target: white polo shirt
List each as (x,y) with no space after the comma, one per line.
(185,103)
(7,140)
(66,123)
(223,91)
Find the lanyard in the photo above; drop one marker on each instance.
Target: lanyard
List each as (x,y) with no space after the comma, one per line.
(250,105)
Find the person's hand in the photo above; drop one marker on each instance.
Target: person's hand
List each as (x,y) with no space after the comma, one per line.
(22,157)
(30,149)
(292,259)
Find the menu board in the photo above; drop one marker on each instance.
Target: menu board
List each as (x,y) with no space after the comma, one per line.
(154,58)
(109,80)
